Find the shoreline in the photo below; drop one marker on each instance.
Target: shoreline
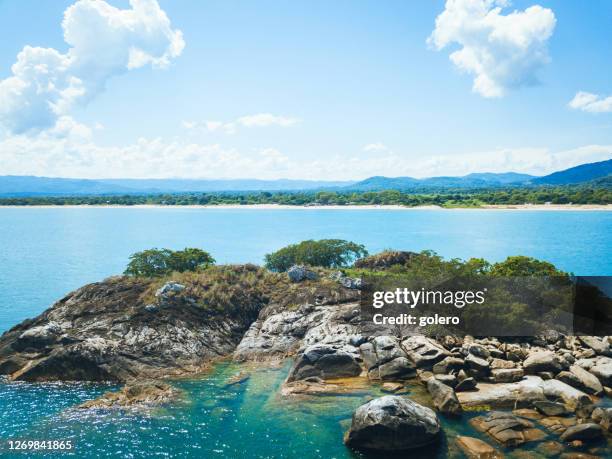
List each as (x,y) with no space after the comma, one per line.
(527,207)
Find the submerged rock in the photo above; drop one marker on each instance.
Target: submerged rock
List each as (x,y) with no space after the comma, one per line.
(137,395)
(507,428)
(392,423)
(474,448)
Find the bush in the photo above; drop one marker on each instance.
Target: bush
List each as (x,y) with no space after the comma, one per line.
(524,267)
(325,253)
(159,262)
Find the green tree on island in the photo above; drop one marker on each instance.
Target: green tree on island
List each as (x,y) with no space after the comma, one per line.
(325,253)
(158,262)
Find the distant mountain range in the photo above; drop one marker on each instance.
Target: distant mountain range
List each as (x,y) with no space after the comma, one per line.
(579,174)
(599,174)
(22,186)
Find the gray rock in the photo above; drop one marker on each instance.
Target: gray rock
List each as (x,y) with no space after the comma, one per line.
(466,384)
(500,364)
(325,362)
(601,347)
(573,398)
(300,273)
(392,423)
(542,361)
(399,368)
(549,408)
(582,432)
(350,282)
(39,336)
(603,370)
(587,382)
(520,394)
(449,380)
(449,364)
(169,287)
(479,351)
(507,375)
(477,365)
(424,352)
(606,419)
(444,397)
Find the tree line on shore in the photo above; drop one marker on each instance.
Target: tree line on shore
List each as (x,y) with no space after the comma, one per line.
(568,194)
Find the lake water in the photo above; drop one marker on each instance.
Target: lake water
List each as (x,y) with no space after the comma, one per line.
(46,252)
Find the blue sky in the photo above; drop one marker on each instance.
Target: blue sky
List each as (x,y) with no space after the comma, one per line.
(317,89)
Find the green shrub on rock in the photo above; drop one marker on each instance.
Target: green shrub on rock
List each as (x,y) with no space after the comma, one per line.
(324,253)
(159,262)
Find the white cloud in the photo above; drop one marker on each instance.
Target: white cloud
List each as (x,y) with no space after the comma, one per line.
(589,102)
(68,150)
(375,147)
(103,41)
(249,121)
(502,51)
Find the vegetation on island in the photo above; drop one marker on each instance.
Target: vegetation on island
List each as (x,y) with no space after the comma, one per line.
(325,253)
(159,262)
(599,193)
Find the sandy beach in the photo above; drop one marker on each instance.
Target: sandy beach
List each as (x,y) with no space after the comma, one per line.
(537,207)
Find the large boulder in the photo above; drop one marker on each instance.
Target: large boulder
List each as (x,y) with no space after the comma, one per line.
(444,397)
(396,369)
(542,361)
(573,398)
(586,381)
(325,362)
(392,423)
(600,346)
(510,395)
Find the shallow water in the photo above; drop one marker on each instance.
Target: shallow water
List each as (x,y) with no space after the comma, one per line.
(246,420)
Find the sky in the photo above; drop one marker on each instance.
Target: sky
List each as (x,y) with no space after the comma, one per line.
(325,90)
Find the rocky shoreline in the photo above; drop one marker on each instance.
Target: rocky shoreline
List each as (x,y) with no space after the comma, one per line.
(547,390)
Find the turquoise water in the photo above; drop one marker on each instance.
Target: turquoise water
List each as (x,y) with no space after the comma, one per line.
(47,252)
(44,253)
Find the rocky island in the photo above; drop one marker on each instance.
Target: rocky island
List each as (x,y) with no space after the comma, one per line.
(548,390)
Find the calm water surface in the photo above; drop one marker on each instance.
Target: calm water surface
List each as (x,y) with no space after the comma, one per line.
(46,252)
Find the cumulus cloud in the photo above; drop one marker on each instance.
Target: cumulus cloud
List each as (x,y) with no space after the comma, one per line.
(103,41)
(502,51)
(593,103)
(249,121)
(375,147)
